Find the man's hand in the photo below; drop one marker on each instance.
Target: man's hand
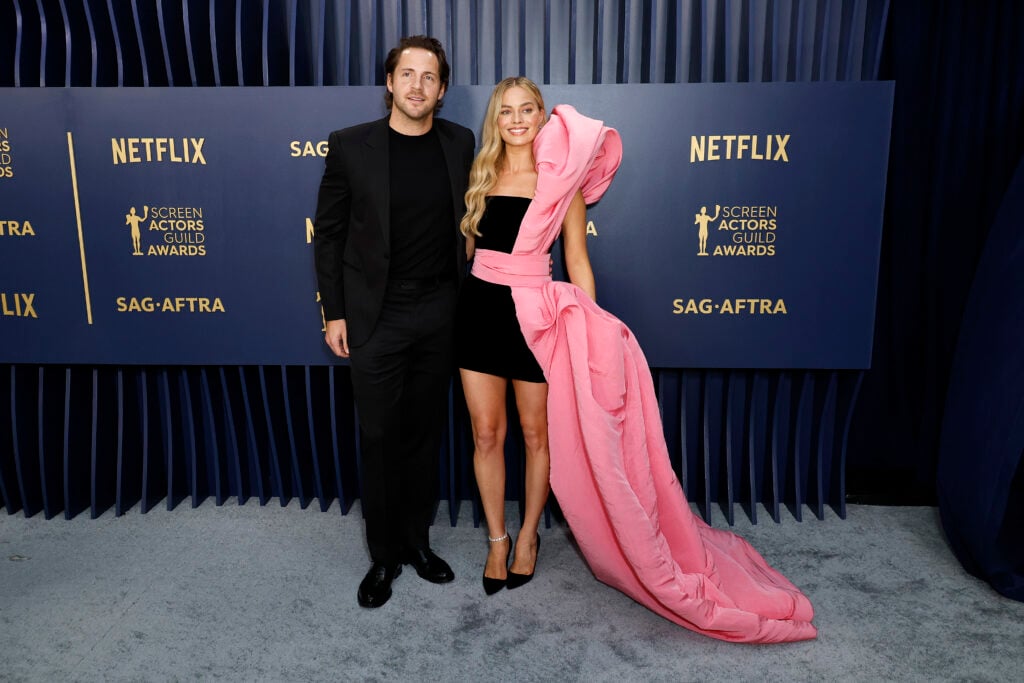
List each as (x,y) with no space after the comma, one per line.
(337,337)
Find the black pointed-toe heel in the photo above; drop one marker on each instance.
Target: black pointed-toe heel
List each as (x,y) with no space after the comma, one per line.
(515,580)
(492,586)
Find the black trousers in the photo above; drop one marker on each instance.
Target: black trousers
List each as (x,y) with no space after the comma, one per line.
(400,380)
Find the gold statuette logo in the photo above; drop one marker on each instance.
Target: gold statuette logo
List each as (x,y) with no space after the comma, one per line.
(702,219)
(742,230)
(133,219)
(170,230)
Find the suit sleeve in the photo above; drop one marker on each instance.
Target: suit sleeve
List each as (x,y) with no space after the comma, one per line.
(470,150)
(330,229)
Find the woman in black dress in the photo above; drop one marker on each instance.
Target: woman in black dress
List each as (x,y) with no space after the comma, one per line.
(490,348)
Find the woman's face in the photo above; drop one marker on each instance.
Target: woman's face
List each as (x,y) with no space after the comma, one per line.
(519,117)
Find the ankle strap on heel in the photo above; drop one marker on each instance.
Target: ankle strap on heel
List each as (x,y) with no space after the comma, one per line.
(499,539)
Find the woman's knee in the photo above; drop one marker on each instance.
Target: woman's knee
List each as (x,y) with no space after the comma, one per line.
(535,435)
(488,437)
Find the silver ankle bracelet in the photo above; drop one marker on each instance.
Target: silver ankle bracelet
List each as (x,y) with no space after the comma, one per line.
(498,539)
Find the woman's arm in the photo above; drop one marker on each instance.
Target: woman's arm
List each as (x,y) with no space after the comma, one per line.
(574,245)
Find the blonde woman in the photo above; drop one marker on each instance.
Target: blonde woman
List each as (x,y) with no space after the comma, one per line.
(609,465)
(490,348)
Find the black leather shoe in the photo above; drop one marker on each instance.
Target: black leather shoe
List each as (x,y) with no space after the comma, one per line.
(429,566)
(375,588)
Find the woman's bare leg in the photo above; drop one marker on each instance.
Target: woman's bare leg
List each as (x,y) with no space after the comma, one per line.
(532,404)
(485,398)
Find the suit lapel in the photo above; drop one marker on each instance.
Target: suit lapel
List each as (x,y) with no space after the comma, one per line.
(378,171)
(453,159)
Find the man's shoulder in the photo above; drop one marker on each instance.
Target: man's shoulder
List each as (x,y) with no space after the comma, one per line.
(358,131)
(453,129)
(450,125)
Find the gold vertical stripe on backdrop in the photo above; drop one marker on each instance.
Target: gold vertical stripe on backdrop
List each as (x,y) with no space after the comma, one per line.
(81,238)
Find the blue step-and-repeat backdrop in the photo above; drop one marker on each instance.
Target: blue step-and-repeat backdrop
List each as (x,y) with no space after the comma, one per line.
(173,226)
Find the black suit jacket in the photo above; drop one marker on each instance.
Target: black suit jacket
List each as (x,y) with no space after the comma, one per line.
(352,229)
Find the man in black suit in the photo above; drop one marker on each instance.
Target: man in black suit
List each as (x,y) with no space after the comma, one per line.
(389,256)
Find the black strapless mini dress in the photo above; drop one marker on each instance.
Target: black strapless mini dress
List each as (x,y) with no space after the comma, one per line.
(487,334)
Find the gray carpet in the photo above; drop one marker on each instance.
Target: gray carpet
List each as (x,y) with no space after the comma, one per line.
(268,594)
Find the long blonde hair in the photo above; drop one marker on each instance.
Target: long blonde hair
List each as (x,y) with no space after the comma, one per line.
(484,173)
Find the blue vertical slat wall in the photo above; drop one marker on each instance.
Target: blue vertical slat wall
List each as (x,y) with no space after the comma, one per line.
(78,438)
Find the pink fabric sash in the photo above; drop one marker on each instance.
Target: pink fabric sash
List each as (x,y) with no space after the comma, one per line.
(514,270)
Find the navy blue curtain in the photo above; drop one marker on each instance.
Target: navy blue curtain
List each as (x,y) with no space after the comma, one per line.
(941,417)
(958,134)
(981,468)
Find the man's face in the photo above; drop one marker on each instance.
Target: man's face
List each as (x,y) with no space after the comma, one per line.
(415,85)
